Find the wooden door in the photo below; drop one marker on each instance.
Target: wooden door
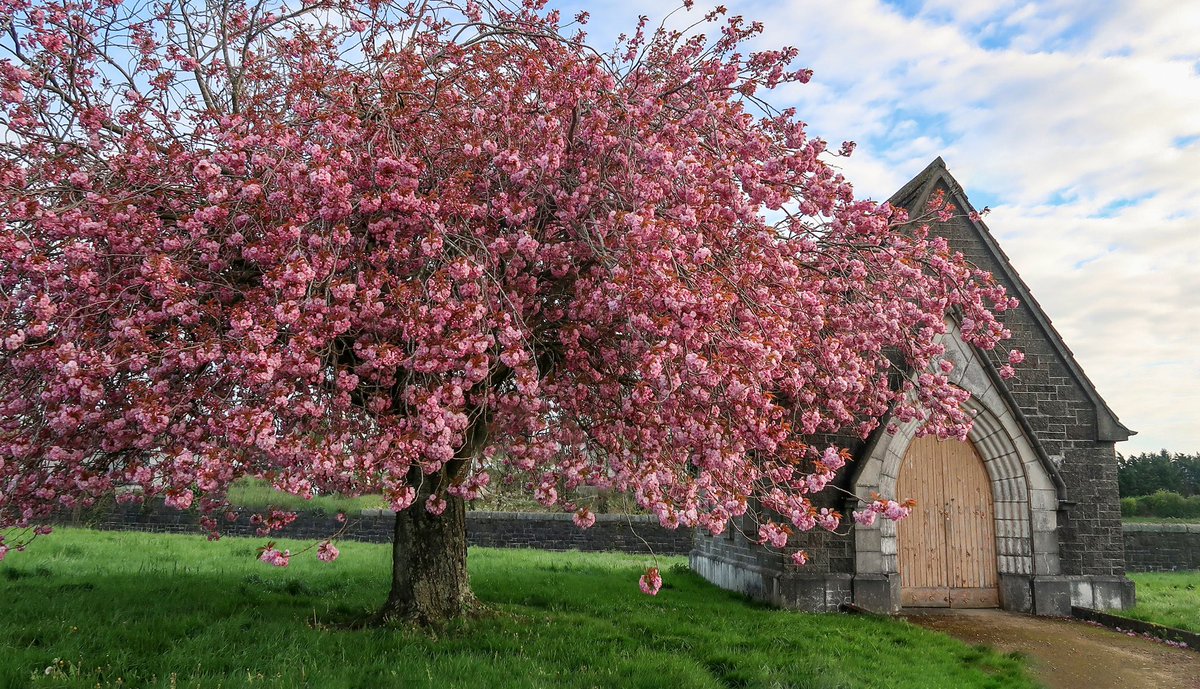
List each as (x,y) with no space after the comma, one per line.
(947,546)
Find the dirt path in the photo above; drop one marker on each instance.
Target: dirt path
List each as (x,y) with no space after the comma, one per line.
(1067,654)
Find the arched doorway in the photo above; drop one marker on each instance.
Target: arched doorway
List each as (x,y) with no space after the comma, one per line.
(947,546)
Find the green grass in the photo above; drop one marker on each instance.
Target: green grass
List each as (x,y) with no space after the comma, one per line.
(103,609)
(1170,598)
(258,494)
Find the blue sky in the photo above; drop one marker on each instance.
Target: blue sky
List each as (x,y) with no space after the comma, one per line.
(1077,122)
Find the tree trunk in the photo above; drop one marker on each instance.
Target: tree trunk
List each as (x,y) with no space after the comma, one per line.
(429,552)
(429,565)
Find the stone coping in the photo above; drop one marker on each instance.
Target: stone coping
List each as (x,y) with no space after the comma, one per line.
(1161,528)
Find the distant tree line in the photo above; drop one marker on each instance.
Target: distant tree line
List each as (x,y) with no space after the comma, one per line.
(1160,485)
(1149,473)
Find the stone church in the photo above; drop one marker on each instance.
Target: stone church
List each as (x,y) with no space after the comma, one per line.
(1023,516)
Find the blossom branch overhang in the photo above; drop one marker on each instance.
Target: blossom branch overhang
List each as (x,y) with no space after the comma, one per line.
(331,268)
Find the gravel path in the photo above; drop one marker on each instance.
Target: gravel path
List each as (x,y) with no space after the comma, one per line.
(1068,654)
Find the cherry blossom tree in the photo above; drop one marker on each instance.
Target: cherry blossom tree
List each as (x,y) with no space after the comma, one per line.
(389,247)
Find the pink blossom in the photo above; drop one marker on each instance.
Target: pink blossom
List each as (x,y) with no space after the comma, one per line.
(327,552)
(864,517)
(800,557)
(180,500)
(526,244)
(1016,356)
(773,534)
(895,511)
(650,582)
(273,557)
(584,518)
(815,483)
(205,169)
(833,458)
(828,519)
(3,551)
(435,504)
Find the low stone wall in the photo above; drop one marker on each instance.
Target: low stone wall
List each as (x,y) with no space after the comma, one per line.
(1162,547)
(622,533)
(1148,547)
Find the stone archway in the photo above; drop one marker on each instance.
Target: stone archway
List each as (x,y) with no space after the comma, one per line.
(1023,497)
(1023,493)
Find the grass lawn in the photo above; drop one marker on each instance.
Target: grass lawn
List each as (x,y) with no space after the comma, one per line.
(1170,598)
(104,609)
(1161,520)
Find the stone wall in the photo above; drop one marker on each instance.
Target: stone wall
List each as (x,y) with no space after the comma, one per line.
(1162,547)
(623,533)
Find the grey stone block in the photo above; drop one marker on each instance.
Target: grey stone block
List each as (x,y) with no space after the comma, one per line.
(867,540)
(1113,593)
(1045,542)
(1046,563)
(877,592)
(1016,592)
(1052,596)
(804,592)
(870,562)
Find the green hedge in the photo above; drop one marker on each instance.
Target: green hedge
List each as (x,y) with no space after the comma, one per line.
(1161,504)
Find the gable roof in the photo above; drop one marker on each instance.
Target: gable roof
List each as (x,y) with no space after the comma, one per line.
(916,194)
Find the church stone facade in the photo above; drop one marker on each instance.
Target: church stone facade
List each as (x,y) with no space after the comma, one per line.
(1047,531)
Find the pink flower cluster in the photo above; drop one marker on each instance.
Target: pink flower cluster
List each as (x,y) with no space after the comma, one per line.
(584,518)
(650,582)
(271,556)
(327,552)
(773,534)
(889,509)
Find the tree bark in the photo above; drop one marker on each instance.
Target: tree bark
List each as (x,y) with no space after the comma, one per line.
(430,585)
(429,565)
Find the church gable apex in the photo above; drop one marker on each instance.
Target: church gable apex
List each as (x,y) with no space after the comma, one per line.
(984,250)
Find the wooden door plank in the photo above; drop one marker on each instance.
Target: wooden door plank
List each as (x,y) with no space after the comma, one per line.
(985,597)
(925,597)
(973,530)
(922,543)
